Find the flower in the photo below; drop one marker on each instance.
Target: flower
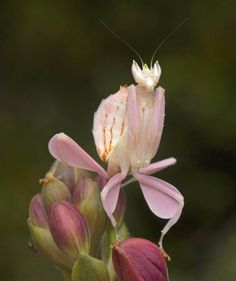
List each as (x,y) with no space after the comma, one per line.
(138,259)
(127,130)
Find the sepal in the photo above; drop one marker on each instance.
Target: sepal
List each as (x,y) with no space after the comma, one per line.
(45,245)
(87,268)
(87,195)
(54,190)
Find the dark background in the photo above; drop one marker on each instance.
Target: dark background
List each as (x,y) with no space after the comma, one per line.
(56,64)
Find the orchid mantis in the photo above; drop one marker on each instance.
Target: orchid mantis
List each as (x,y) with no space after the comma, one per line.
(127,131)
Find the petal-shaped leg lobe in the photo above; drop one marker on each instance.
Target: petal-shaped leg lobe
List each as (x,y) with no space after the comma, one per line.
(110,194)
(157,166)
(164,200)
(65,149)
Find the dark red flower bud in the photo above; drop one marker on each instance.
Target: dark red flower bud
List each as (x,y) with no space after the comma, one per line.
(37,212)
(138,259)
(87,198)
(69,229)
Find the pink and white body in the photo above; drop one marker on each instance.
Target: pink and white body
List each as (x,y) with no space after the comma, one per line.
(127,131)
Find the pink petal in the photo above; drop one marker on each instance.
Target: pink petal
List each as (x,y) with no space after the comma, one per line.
(63,148)
(157,166)
(162,198)
(110,194)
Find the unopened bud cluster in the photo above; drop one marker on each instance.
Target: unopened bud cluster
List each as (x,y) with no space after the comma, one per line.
(69,226)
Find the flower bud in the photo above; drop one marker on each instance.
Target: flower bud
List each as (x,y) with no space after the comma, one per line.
(137,259)
(67,174)
(83,189)
(109,238)
(69,229)
(87,198)
(45,245)
(37,212)
(54,190)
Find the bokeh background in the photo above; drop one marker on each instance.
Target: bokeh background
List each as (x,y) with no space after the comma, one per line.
(56,64)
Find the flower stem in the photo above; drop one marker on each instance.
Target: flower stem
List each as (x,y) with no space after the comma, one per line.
(66,275)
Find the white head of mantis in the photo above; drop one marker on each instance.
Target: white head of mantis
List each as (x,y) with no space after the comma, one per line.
(146,77)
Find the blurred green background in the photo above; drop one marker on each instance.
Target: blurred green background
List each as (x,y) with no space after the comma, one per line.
(56,64)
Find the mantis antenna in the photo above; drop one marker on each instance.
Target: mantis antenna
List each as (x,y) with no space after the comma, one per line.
(167,37)
(123,41)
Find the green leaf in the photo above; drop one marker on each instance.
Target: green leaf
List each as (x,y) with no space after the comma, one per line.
(87,268)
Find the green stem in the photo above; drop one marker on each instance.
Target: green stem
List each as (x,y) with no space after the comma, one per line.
(66,275)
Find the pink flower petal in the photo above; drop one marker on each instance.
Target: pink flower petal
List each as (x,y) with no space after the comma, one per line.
(157,166)
(65,149)
(110,194)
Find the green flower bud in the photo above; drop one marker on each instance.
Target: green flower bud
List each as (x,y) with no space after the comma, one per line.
(45,245)
(54,190)
(87,268)
(69,229)
(88,199)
